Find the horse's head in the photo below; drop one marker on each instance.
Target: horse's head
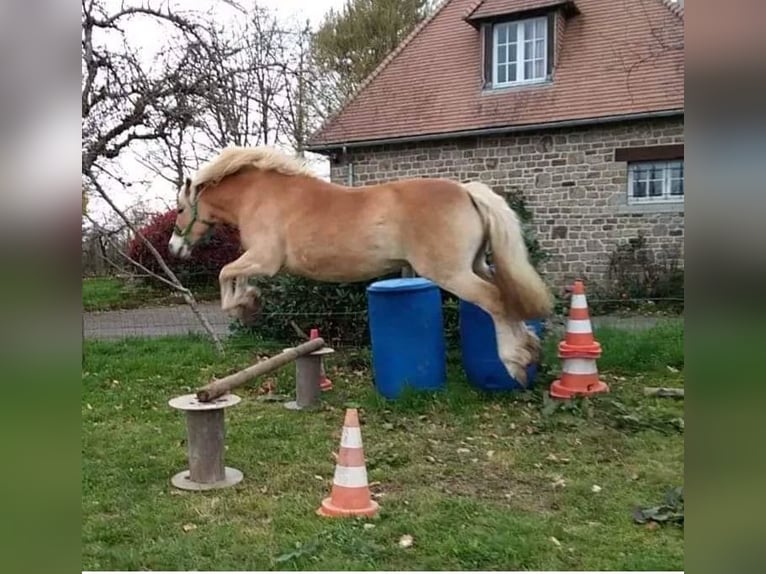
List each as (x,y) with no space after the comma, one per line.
(193,221)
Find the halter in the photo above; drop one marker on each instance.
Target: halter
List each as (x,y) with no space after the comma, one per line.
(194,218)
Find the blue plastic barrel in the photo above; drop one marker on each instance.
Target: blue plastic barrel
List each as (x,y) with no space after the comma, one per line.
(478,347)
(407,335)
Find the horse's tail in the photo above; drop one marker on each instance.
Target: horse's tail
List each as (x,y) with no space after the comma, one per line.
(524,293)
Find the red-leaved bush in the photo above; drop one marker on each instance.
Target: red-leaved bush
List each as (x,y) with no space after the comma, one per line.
(208,255)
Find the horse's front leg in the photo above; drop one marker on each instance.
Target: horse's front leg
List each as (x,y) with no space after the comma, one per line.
(235,292)
(247,300)
(227,293)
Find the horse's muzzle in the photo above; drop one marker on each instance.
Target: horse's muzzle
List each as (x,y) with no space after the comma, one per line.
(178,247)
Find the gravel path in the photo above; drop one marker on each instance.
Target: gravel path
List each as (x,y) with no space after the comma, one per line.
(179,320)
(153,321)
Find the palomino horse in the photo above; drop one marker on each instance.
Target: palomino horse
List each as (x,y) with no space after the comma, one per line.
(291,221)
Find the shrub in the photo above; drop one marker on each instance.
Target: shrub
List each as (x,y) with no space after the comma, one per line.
(338,310)
(536,253)
(639,278)
(208,256)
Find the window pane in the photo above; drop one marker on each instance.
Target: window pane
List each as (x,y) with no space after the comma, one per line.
(529,50)
(501,77)
(502,34)
(501,50)
(677,179)
(529,30)
(540,27)
(512,54)
(540,49)
(639,188)
(539,69)
(512,72)
(655,188)
(512,31)
(528,70)
(640,173)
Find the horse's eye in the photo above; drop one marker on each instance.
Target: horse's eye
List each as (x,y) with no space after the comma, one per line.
(180,210)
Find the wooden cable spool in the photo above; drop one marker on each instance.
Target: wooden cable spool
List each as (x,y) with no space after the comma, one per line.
(205,428)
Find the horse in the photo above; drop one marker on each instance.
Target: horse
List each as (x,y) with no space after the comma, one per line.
(292,221)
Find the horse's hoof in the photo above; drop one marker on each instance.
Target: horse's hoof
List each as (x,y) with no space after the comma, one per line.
(519,374)
(534,347)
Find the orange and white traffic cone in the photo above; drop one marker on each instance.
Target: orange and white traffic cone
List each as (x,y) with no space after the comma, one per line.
(578,340)
(579,351)
(350,494)
(325,384)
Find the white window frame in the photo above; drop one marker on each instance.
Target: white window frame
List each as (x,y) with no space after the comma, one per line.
(666,196)
(519,61)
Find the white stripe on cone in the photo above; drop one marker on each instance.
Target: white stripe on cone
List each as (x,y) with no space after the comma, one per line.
(578,301)
(579,326)
(350,476)
(580,366)
(351,437)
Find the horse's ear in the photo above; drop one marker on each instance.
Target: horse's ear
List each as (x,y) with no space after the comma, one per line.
(187,186)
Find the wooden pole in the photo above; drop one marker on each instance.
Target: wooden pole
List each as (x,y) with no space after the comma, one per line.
(205,434)
(307,374)
(220,387)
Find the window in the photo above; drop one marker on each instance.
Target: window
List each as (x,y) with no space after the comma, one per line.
(656,182)
(520,52)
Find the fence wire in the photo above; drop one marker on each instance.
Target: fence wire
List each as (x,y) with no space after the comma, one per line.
(151,319)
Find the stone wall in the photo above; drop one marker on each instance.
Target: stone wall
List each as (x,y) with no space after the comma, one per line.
(569,179)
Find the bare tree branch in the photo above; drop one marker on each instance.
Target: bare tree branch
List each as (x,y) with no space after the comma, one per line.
(130,260)
(174,282)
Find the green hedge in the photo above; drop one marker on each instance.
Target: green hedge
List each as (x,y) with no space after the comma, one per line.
(338,310)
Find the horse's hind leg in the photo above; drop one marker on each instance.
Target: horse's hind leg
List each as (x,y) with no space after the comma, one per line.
(480,266)
(516,346)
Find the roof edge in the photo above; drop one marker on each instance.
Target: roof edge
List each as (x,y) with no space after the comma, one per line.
(569,8)
(382,66)
(676,8)
(472,8)
(329,147)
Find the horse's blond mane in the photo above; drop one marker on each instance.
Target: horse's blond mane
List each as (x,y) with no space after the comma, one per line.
(233,159)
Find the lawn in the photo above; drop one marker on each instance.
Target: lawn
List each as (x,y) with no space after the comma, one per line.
(106,293)
(490,482)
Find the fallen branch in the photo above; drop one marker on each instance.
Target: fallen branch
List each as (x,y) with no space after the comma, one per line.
(664,392)
(220,387)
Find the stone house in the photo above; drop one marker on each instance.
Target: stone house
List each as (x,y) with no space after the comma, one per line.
(575,106)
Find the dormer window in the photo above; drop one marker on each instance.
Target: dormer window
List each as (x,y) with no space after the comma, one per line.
(520,41)
(520,52)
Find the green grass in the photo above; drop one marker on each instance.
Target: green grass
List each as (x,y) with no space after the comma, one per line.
(99,293)
(635,352)
(107,293)
(490,505)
